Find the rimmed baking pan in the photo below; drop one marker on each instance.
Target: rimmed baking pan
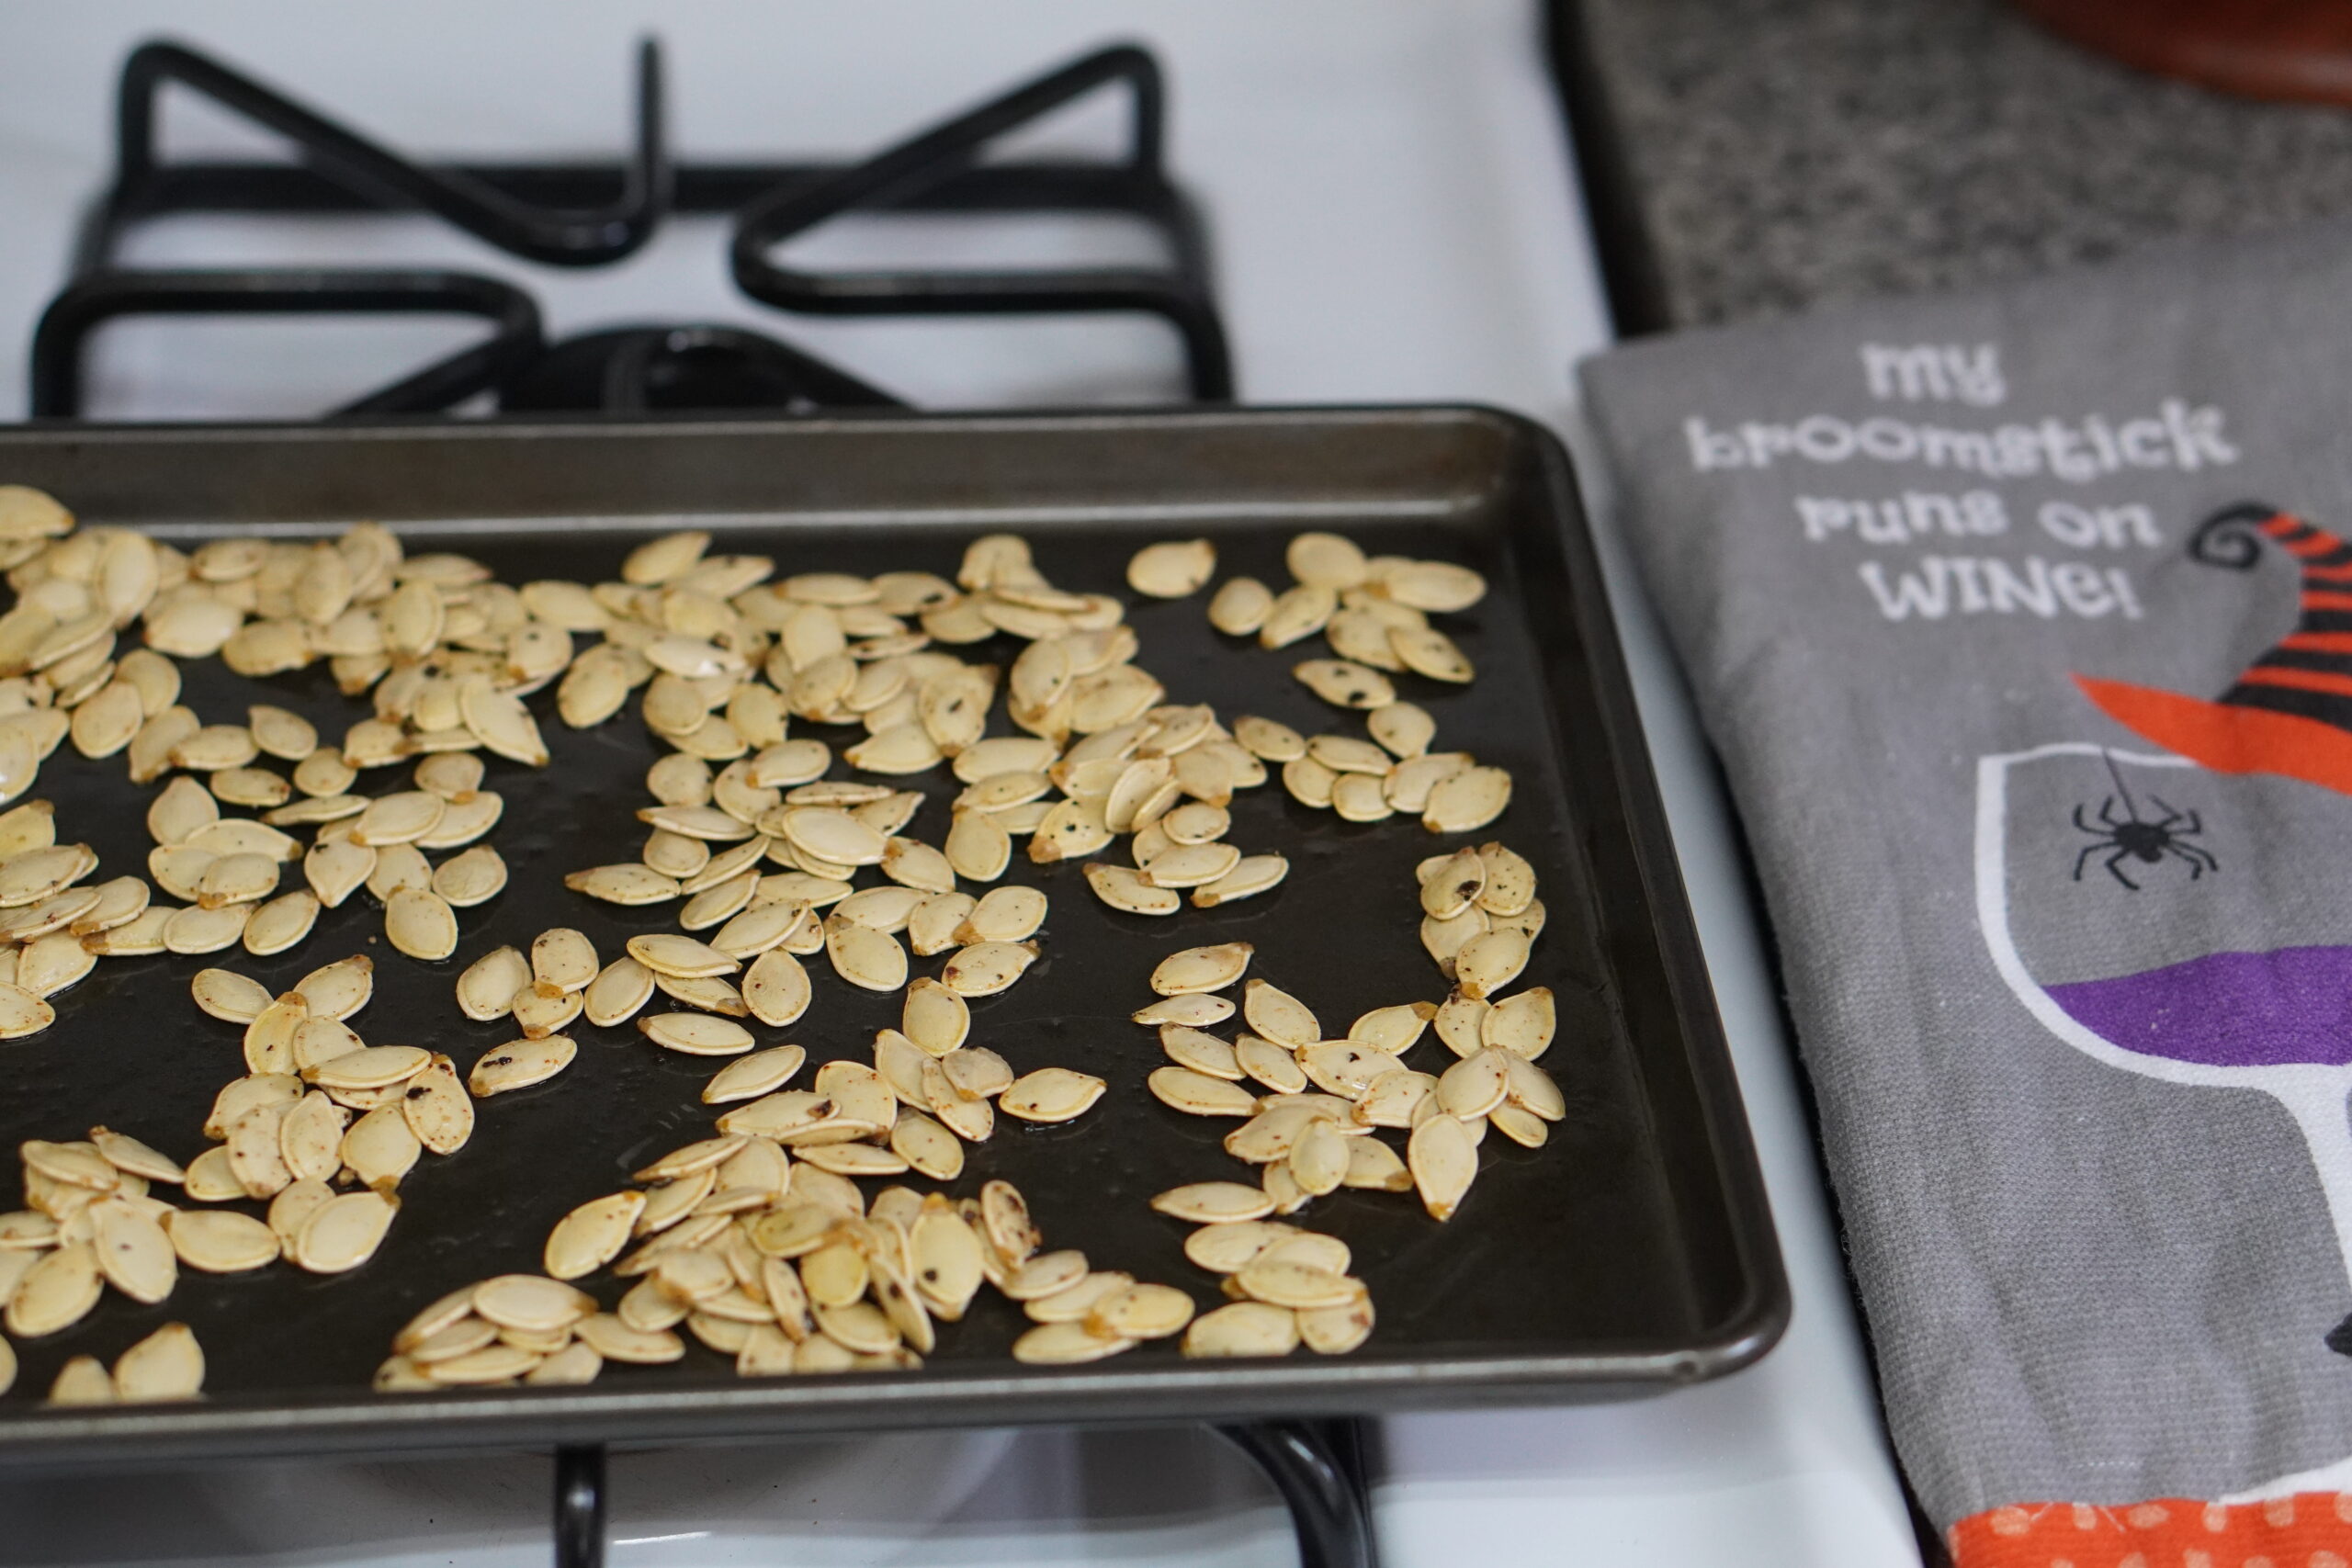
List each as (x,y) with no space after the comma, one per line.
(1632,1253)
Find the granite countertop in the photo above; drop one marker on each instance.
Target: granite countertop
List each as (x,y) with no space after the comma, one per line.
(1776,153)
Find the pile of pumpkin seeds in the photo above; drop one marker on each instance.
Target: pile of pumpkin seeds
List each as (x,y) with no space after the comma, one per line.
(760,850)
(1311,1109)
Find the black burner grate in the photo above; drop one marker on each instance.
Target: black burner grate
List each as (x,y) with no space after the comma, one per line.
(586,216)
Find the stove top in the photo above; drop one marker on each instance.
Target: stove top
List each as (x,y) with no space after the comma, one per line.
(1395,220)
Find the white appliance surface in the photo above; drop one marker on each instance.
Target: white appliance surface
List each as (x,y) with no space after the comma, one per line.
(1393,217)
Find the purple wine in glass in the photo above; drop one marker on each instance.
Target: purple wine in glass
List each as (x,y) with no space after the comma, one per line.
(2225,966)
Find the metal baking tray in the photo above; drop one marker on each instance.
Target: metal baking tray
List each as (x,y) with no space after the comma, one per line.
(1633,1253)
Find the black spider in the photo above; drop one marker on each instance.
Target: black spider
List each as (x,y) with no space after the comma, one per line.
(2134,839)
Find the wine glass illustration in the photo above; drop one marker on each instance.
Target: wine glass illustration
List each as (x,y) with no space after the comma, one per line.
(2128,904)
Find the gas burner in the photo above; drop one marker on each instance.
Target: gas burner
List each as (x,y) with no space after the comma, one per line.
(568,215)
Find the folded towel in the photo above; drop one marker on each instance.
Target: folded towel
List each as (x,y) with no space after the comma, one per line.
(2022,620)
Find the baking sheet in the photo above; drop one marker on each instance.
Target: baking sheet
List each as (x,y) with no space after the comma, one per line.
(1633,1252)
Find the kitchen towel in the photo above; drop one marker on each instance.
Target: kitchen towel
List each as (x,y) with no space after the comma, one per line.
(2022,621)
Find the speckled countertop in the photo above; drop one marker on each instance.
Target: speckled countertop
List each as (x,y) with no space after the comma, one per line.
(1782,152)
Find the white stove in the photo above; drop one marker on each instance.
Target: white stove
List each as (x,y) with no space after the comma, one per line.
(1393,216)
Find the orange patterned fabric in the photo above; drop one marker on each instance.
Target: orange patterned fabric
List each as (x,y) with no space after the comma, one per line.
(2311,1530)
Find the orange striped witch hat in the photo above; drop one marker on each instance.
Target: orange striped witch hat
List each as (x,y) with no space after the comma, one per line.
(2291,713)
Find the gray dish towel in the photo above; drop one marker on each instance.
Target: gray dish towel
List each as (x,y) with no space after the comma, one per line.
(2022,620)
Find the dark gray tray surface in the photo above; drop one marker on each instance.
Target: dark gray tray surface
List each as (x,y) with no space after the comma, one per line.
(1628,1251)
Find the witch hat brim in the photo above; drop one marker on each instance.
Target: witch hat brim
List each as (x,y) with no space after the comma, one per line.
(2291,712)
(2227,737)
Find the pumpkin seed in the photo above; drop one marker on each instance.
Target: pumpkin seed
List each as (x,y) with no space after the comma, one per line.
(936,1019)
(926,1147)
(342,1233)
(1467,800)
(1455,886)
(487,987)
(1224,1249)
(617,991)
(212,1180)
(126,1152)
(1126,891)
(540,1009)
(1172,569)
(1510,881)
(1488,963)
(195,930)
(221,1241)
(1197,1094)
(1522,1024)
(1532,1089)
(1243,1328)
(1201,968)
(83,1379)
(1393,1029)
(1309,782)
(697,1035)
(1337,1330)
(1204,1054)
(1521,1126)
(381,1148)
(1073,1303)
(616,1341)
(1066,1344)
(759,928)
(236,879)
(1444,940)
(167,1365)
(437,1106)
(1280,1017)
(1192,865)
(1270,1064)
(465,819)
(1461,1024)
(984,968)
(133,1252)
(520,1065)
(775,989)
(420,923)
(1297,612)
(1240,606)
(1213,1202)
(1319,1160)
(229,996)
(1072,830)
(1403,729)
(1342,682)
(309,1137)
(1411,782)
(1475,1085)
(1359,797)
(1325,558)
(183,810)
(679,955)
(627,883)
(281,923)
(34,874)
(336,870)
(1265,738)
(1427,651)
(1191,1008)
(674,854)
(1443,1162)
(293,1205)
(1006,914)
(531,1303)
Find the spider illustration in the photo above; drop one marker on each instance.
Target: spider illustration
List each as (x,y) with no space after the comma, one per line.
(2133,838)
